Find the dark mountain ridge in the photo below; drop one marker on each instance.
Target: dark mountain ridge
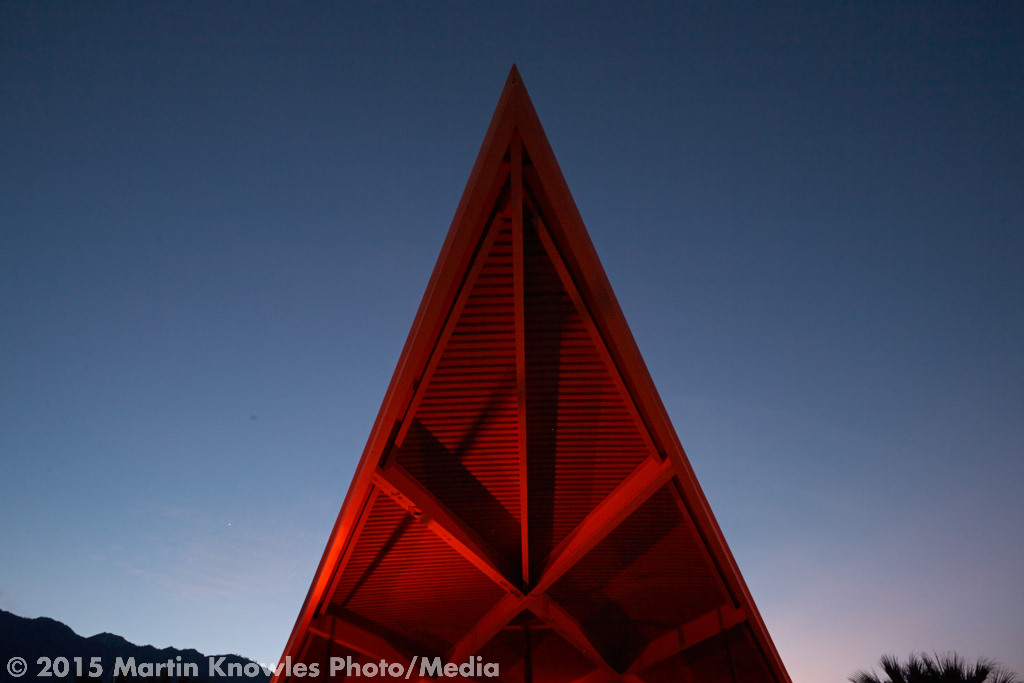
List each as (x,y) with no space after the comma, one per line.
(42,641)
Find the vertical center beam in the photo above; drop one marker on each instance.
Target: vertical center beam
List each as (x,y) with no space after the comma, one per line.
(527,656)
(518,279)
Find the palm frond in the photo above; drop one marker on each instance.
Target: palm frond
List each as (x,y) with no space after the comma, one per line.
(936,668)
(864,677)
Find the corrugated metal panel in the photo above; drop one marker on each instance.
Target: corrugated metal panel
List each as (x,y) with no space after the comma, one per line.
(582,439)
(647,577)
(463,443)
(400,573)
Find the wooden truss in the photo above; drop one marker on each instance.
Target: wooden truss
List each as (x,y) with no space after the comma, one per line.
(523,498)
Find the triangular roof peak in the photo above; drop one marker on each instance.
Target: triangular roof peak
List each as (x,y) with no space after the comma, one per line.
(523,499)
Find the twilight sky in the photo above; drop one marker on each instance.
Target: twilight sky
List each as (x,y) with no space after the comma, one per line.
(217,220)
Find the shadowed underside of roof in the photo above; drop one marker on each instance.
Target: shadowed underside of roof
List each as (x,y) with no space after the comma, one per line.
(523,499)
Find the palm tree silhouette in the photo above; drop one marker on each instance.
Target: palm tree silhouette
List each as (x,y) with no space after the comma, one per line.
(923,668)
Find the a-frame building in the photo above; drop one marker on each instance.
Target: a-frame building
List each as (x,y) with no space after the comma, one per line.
(523,500)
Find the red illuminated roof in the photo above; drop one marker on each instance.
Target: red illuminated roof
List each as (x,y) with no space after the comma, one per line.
(523,499)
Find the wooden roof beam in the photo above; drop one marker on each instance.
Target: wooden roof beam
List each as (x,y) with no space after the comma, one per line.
(360,640)
(414,498)
(466,288)
(640,485)
(595,334)
(570,630)
(691,633)
(504,611)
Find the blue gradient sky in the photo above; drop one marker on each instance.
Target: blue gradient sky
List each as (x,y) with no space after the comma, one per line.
(217,220)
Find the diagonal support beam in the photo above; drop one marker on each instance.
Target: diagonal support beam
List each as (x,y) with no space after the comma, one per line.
(619,504)
(595,334)
(504,611)
(412,496)
(354,638)
(691,633)
(415,499)
(449,327)
(570,630)
(640,485)
(560,621)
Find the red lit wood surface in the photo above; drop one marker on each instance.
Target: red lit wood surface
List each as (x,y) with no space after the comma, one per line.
(523,497)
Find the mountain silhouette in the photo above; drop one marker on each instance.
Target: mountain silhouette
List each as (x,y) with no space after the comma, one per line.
(42,641)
